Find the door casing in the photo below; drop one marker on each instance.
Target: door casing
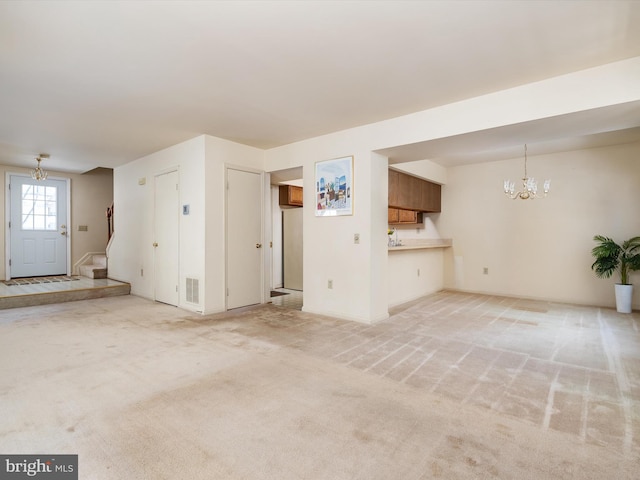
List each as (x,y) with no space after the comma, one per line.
(7,231)
(240,214)
(166,254)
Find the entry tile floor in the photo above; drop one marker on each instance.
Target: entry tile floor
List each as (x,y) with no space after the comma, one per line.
(79,284)
(562,367)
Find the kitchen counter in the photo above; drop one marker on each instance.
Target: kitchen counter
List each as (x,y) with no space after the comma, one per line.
(411,244)
(416,269)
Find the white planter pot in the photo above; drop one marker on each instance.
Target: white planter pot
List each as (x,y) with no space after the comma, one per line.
(623,298)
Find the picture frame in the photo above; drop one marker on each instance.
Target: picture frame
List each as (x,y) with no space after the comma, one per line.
(334,187)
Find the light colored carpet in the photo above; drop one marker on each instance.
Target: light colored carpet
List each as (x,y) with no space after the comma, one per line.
(141,390)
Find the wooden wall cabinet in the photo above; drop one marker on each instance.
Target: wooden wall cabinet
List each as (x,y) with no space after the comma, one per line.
(404,217)
(407,192)
(290,196)
(430,194)
(394,177)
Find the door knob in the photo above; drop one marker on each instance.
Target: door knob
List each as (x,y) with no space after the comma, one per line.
(63,233)
(63,226)
(155,244)
(258,245)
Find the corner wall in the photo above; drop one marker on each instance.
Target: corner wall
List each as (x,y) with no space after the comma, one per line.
(201,165)
(131,255)
(220,154)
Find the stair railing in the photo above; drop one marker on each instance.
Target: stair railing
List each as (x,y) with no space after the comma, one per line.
(110,223)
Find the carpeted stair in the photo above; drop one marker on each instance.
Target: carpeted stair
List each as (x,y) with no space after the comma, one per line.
(96,269)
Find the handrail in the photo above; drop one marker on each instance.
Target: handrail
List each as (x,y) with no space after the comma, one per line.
(110,222)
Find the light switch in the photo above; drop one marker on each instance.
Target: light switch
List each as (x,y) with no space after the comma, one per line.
(356,238)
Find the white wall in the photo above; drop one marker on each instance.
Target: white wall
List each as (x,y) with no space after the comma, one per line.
(541,248)
(357,271)
(131,255)
(414,274)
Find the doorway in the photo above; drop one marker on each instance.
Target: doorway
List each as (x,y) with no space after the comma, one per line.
(166,244)
(38,227)
(244,238)
(288,238)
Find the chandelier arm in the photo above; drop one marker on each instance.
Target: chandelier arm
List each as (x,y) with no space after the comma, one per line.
(529,185)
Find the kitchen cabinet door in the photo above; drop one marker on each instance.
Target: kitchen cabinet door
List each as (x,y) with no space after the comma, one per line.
(408,192)
(290,196)
(430,197)
(393,214)
(404,217)
(394,177)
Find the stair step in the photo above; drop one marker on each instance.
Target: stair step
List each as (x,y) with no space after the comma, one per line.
(45,298)
(93,271)
(96,269)
(100,260)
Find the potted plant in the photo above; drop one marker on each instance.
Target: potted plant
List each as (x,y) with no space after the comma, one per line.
(624,258)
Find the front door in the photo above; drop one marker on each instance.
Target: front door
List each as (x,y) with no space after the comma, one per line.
(38,228)
(244,238)
(166,246)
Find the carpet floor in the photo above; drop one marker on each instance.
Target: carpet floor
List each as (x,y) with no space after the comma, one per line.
(453,386)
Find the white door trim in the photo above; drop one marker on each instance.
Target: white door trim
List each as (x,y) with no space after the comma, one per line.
(166,171)
(7,217)
(228,167)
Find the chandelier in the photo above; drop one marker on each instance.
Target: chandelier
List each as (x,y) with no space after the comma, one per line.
(529,185)
(38,173)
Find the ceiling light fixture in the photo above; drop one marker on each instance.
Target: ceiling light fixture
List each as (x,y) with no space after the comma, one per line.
(39,173)
(529,185)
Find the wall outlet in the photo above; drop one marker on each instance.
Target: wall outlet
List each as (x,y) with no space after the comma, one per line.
(142,272)
(356,238)
(418,272)
(330,284)
(485,270)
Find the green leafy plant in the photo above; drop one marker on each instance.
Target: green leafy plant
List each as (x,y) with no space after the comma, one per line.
(611,257)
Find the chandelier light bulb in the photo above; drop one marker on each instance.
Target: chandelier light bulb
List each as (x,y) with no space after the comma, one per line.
(529,185)
(39,173)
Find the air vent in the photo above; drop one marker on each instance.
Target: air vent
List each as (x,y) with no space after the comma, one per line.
(193,291)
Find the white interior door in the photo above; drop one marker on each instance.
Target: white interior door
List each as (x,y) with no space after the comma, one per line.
(38,228)
(244,238)
(166,244)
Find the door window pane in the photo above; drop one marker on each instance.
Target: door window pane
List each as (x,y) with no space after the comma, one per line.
(39,207)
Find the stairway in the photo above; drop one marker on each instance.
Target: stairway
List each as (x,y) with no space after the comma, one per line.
(97,268)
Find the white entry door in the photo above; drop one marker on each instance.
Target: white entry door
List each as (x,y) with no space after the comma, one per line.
(166,244)
(244,238)
(38,228)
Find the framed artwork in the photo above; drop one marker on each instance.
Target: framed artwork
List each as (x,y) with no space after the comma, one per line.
(334,187)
